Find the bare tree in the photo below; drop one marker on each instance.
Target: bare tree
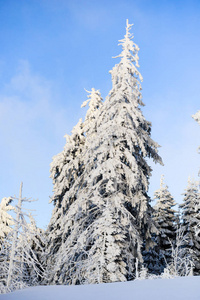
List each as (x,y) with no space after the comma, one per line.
(20,258)
(181,257)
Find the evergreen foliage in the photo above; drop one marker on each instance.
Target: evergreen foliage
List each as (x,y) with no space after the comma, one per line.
(102,220)
(95,103)
(165,218)
(66,169)
(103,228)
(190,221)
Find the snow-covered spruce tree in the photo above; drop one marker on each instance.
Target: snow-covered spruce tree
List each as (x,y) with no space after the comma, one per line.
(190,221)
(66,169)
(165,218)
(105,227)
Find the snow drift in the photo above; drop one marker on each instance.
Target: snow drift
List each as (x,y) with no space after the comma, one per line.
(182,288)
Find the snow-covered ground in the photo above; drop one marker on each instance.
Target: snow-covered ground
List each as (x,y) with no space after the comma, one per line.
(182,288)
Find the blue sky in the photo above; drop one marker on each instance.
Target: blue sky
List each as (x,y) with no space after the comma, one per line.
(52,49)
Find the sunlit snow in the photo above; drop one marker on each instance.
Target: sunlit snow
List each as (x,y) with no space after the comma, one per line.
(182,288)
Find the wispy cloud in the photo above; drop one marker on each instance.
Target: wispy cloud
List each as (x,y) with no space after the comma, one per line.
(30,130)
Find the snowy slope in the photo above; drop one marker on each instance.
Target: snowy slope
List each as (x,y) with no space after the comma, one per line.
(182,288)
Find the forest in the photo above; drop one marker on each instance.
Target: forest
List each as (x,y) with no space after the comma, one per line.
(104,227)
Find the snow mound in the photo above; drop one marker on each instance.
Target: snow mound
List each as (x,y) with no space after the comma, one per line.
(182,288)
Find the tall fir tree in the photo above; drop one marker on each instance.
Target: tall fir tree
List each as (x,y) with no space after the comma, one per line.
(104,229)
(66,168)
(165,218)
(190,221)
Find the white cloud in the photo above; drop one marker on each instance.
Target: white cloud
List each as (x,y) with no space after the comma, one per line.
(31,130)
